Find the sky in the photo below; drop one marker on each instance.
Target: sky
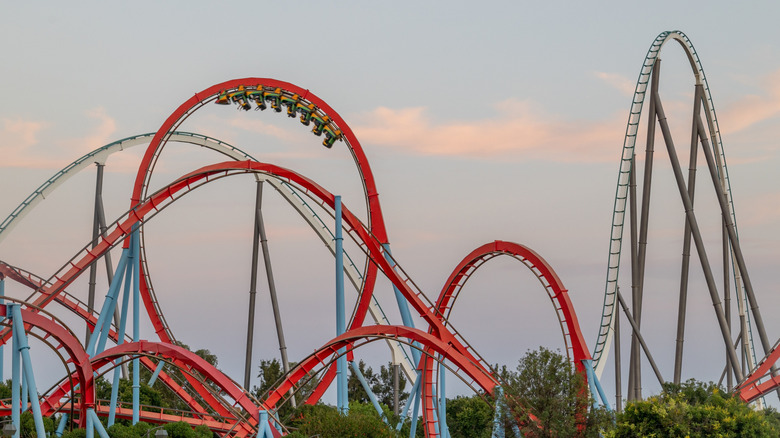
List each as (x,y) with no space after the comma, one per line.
(497,121)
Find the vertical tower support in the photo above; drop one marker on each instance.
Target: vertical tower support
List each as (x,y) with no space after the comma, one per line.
(638,269)
(691,217)
(95,234)
(22,369)
(341,320)
(686,252)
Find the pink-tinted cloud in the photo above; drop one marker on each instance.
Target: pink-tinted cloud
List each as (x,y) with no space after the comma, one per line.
(624,85)
(753,109)
(17,136)
(100,135)
(521,131)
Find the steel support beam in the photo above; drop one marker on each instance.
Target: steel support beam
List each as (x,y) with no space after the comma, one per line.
(618,373)
(639,337)
(686,251)
(95,235)
(250,325)
(735,247)
(341,320)
(643,226)
(705,264)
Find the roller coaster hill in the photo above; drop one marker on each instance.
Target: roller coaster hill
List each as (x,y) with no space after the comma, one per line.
(423,346)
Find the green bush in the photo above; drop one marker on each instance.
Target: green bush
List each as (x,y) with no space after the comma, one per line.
(693,410)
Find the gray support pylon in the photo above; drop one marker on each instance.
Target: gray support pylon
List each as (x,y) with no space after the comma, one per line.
(686,251)
(272,287)
(705,263)
(634,267)
(250,325)
(727,367)
(639,337)
(727,296)
(735,247)
(95,235)
(618,375)
(643,226)
(396,388)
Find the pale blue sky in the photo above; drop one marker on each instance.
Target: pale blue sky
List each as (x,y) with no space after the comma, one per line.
(493,121)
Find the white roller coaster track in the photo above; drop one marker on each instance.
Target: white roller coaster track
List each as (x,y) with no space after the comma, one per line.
(607,326)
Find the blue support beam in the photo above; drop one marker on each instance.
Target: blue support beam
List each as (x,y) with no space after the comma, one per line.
(156,372)
(24,349)
(107,310)
(367,388)
(599,397)
(403,304)
(416,396)
(443,430)
(61,425)
(120,340)
(96,424)
(341,319)
(498,414)
(412,395)
(263,428)
(16,376)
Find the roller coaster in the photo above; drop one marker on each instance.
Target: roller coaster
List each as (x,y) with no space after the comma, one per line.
(424,355)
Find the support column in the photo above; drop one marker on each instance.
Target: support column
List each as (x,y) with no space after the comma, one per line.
(16,377)
(250,325)
(686,252)
(95,235)
(643,226)
(634,223)
(688,205)
(396,389)
(341,324)
(737,250)
(639,337)
(618,374)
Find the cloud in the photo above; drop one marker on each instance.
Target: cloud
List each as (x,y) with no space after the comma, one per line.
(522,131)
(99,136)
(16,138)
(752,109)
(624,85)
(260,127)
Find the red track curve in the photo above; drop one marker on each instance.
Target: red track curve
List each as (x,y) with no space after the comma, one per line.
(185,359)
(547,276)
(375,220)
(557,292)
(481,376)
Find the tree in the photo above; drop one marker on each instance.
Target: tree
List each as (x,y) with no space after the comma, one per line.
(326,421)
(694,409)
(355,390)
(469,417)
(385,388)
(547,386)
(381,385)
(270,375)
